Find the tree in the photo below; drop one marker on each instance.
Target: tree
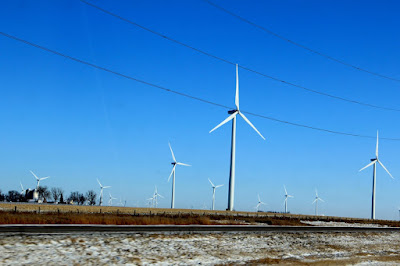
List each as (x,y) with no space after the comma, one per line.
(13,196)
(2,197)
(62,197)
(44,193)
(56,192)
(74,197)
(81,199)
(91,197)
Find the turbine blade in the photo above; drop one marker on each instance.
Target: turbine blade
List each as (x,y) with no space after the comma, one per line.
(377,143)
(107,187)
(160,195)
(259,200)
(99,183)
(368,165)
(237,88)
(316,192)
(248,122)
(173,169)
(218,186)
(37,178)
(225,121)
(314,201)
(22,187)
(321,199)
(183,164)
(43,178)
(173,156)
(211,183)
(285,189)
(385,169)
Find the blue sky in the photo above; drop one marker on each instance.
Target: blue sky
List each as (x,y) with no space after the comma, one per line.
(75,123)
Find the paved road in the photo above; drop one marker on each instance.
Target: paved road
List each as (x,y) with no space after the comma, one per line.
(48,229)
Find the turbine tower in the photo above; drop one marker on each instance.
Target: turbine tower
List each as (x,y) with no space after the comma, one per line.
(174,163)
(101,192)
(317,198)
(38,179)
(232,116)
(214,187)
(373,162)
(259,203)
(286,198)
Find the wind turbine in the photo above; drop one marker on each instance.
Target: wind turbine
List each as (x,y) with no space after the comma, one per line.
(101,192)
(373,162)
(317,198)
(38,179)
(155,197)
(22,188)
(214,187)
(232,116)
(111,199)
(174,163)
(259,203)
(286,198)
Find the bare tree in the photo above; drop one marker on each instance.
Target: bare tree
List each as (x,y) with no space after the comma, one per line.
(56,192)
(44,193)
(91,197)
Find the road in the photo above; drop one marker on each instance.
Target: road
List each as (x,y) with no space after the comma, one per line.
(50,229)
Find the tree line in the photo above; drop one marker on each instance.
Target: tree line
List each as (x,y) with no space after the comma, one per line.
(53,195)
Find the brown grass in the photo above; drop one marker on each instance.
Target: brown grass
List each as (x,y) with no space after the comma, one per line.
(97,218)
(219,217)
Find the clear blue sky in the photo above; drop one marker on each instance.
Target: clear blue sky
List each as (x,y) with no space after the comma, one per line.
(75,123)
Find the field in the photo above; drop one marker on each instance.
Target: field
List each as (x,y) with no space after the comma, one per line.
(12,213)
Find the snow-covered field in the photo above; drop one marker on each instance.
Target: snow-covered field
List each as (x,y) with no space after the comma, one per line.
(189,249)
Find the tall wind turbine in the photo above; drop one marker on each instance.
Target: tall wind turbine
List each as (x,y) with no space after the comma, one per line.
(317,198)
(373,162)
(259,203)
(286,198)
(232,116)
(214,187)
(38,179)
(174,163)
(101,192)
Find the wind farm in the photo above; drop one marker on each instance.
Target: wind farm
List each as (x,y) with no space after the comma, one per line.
(249,97)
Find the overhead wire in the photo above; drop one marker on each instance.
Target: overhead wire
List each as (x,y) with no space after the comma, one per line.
(181,93)
(241,66)
(299,44)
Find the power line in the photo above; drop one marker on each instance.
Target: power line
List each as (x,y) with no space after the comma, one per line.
(180,93)
(242,67)
(299,44)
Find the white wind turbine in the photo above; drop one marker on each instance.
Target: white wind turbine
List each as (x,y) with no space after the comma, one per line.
(373,162)
(101,192)
(38,179)
(111,199)
(233,114)
(259,203)
(174,163)
(317,198)
(214,187)
(155,197)
(286,198)
(23,191)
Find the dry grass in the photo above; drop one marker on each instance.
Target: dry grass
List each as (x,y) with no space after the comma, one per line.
(218,216)
(97,218)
